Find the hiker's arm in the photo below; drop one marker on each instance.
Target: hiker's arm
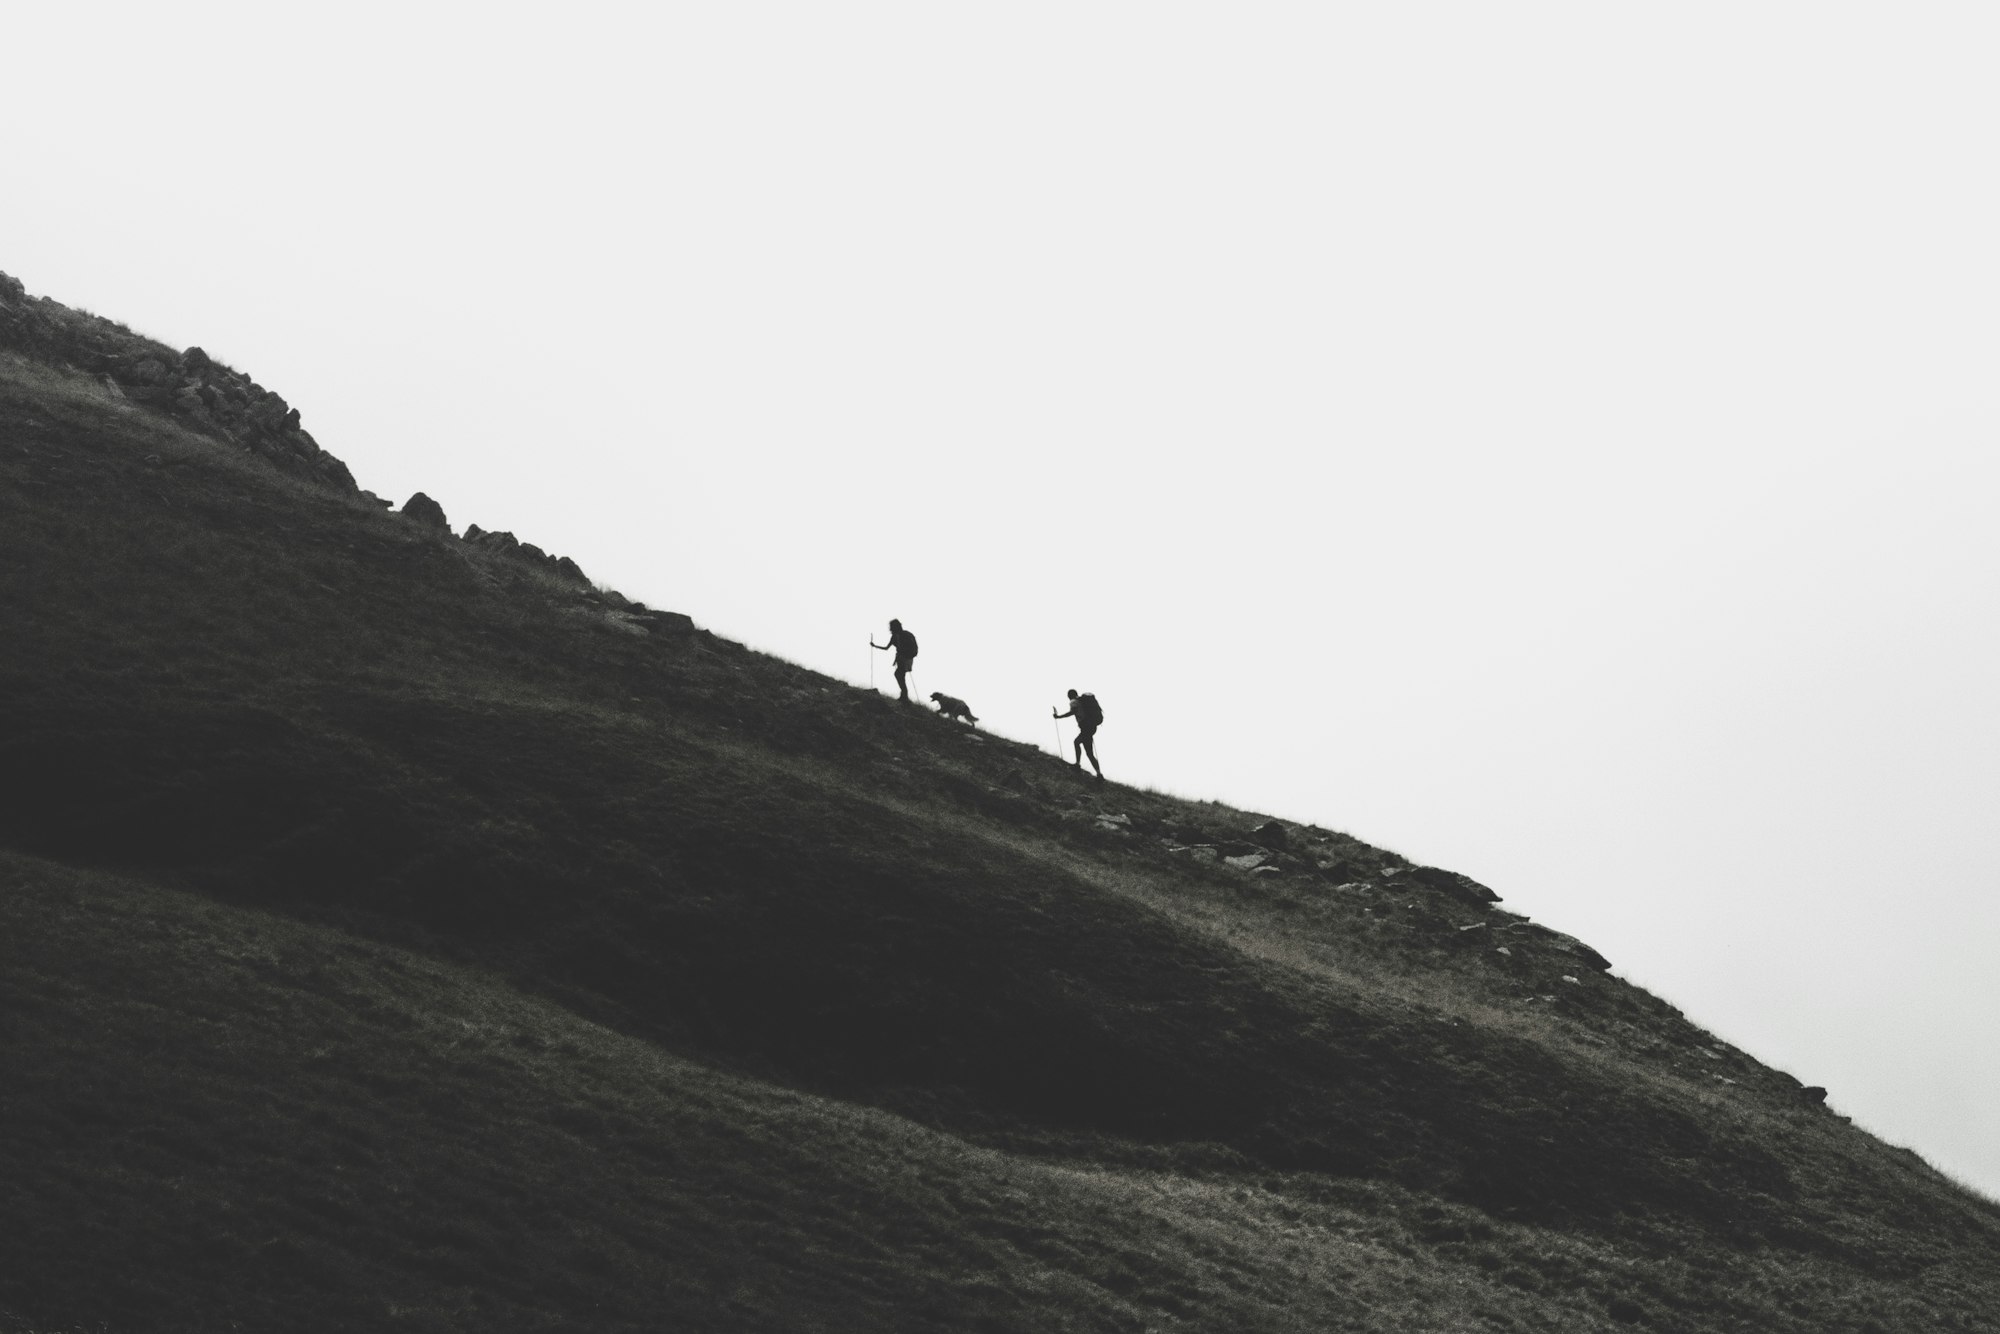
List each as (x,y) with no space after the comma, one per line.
(1065,714)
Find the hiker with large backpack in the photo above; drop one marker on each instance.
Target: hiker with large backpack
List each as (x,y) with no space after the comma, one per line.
(905,645)
(1089,714)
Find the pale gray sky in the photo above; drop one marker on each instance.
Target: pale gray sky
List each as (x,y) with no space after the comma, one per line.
(1555,441)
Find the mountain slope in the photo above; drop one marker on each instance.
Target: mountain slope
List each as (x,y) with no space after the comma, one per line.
(404,933)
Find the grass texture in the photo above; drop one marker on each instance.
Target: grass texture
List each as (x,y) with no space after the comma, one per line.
(393,937)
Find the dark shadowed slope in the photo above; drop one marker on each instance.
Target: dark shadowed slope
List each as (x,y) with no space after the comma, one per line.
(401,933)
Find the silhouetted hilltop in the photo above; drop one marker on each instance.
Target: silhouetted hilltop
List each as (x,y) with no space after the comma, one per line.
(208,397)
(398,934)
(189,385)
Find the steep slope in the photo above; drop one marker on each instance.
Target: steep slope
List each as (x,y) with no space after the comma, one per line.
(403,933)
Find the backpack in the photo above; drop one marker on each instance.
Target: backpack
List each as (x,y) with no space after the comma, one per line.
(1088,711)
(909,645)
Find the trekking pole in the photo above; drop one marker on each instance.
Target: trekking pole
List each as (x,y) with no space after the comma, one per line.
(871,662)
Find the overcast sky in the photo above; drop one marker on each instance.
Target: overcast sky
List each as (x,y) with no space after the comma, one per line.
(1554,441)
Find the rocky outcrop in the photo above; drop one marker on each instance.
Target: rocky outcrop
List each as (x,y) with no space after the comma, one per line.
(506,544)
(191,386)
(420,508)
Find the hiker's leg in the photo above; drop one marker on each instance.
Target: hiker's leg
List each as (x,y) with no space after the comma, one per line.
(902,688)
(1090,748)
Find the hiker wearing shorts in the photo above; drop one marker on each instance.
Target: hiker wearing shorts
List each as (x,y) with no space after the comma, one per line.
(1088,714)
(905,645)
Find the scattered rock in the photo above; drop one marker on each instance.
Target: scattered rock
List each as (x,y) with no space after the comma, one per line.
(563,567)
(1571,980)
(1814,1094)
(1248,861)
(420,508)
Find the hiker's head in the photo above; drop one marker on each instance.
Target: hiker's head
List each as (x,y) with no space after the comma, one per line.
(895,624)
(1072,694)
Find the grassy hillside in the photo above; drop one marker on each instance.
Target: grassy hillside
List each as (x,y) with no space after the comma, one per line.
(400,935)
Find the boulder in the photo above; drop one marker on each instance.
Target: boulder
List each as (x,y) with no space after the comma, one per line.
(422,509)
(1272,835)
(1462,887)
(1249,861)
(671,622)
(1583,953)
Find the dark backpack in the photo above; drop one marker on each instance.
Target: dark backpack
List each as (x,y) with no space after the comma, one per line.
(1088,711)
(909,644)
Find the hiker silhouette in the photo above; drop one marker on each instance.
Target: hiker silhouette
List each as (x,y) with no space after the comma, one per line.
(905,645)
(1088,714)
